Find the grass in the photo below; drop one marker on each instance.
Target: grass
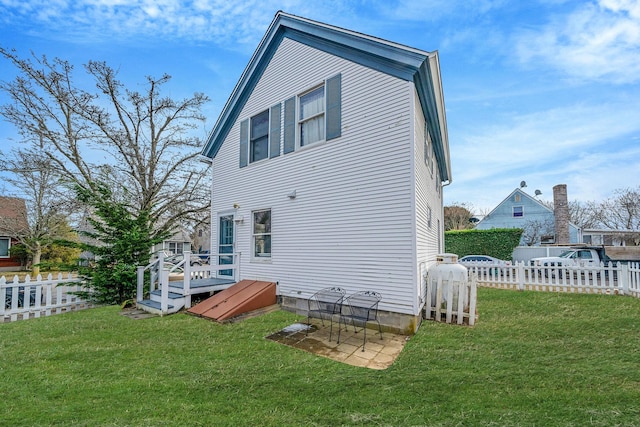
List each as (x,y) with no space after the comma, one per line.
(533,359)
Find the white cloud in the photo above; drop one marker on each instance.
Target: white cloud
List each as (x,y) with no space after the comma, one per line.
(596,42)
(222,22)
(571,145)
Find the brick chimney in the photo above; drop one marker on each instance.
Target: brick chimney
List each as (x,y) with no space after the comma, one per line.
(561,214)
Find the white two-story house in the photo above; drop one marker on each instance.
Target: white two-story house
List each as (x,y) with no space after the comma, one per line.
(329,160)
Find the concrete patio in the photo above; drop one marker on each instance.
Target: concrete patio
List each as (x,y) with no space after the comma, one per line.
(378,354)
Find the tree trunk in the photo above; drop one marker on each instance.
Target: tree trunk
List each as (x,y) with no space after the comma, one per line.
(37,254)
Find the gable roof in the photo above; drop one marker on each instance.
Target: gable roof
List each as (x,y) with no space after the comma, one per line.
(528,197)
(403,62)
(506,199)
(13,215)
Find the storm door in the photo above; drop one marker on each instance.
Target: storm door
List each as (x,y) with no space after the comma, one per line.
(225,244)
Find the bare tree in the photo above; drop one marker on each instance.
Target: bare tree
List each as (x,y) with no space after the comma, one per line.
(140,143)
(457,217)
(536,230)
(46,207)
(582,214)
(621,212)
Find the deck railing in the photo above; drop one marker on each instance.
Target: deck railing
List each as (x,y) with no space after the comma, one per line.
(162,273)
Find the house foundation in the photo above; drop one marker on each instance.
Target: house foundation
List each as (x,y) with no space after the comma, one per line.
(397,323)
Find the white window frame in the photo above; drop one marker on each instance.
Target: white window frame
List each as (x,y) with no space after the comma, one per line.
(513,212)
(8,255)
(252,139)
(173,246)
(428,151)
(265,257)
(301,121)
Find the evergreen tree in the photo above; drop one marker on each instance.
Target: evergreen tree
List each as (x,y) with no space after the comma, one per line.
(124,238)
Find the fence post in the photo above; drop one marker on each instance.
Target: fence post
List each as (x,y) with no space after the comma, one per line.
(623,278)
(3,295)
(520,272)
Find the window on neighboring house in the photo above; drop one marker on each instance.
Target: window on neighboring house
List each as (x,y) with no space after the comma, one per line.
(518,211)
(5,244)
(311,117)
(176,248)
(259,140)
(262,233)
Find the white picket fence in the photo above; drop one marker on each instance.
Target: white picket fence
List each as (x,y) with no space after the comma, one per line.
(449,300)
(39,297)
(610,278)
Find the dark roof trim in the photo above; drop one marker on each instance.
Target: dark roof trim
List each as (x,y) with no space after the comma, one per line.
(400,61)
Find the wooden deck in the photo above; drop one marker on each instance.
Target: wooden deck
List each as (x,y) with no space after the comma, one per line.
(201,286)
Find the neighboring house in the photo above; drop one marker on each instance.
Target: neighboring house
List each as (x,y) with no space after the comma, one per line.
(13,219)
(611,237)
(329,160)
(175,245)
(201,238)
(520,210)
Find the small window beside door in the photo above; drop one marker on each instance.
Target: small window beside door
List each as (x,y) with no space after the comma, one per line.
(262,234)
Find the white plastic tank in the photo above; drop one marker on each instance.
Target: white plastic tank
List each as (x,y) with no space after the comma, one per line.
(451,273)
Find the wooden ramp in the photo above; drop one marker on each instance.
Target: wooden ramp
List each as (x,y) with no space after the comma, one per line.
(244,296)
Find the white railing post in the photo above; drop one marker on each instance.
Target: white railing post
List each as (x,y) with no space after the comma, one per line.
(187,278)
(164,295)
(140,289)
(239,263)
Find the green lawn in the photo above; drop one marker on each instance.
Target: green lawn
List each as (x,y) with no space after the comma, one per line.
(540,359)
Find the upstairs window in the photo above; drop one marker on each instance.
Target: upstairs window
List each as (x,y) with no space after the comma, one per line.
(260,136)
(428,158)
(259,142)
(518,211)
(311,118)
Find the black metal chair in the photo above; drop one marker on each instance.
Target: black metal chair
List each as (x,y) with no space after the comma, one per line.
(325,302)
(360,308)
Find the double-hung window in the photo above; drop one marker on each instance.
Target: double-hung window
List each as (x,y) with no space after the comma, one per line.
(311,117)
(428,160)
(262,234)
(259,143)
(260,136)
(5,244)
(518,211)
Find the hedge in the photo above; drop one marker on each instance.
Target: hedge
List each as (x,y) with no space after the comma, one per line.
(497,242)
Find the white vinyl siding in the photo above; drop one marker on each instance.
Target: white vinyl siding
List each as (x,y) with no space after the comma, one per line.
(352,222)
(429,211)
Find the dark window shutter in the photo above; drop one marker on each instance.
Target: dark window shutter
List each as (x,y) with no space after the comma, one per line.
(244,142)
(274,132)
(289,125)
(334,107)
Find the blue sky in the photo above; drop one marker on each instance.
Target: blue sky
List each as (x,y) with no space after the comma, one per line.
(543,91)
